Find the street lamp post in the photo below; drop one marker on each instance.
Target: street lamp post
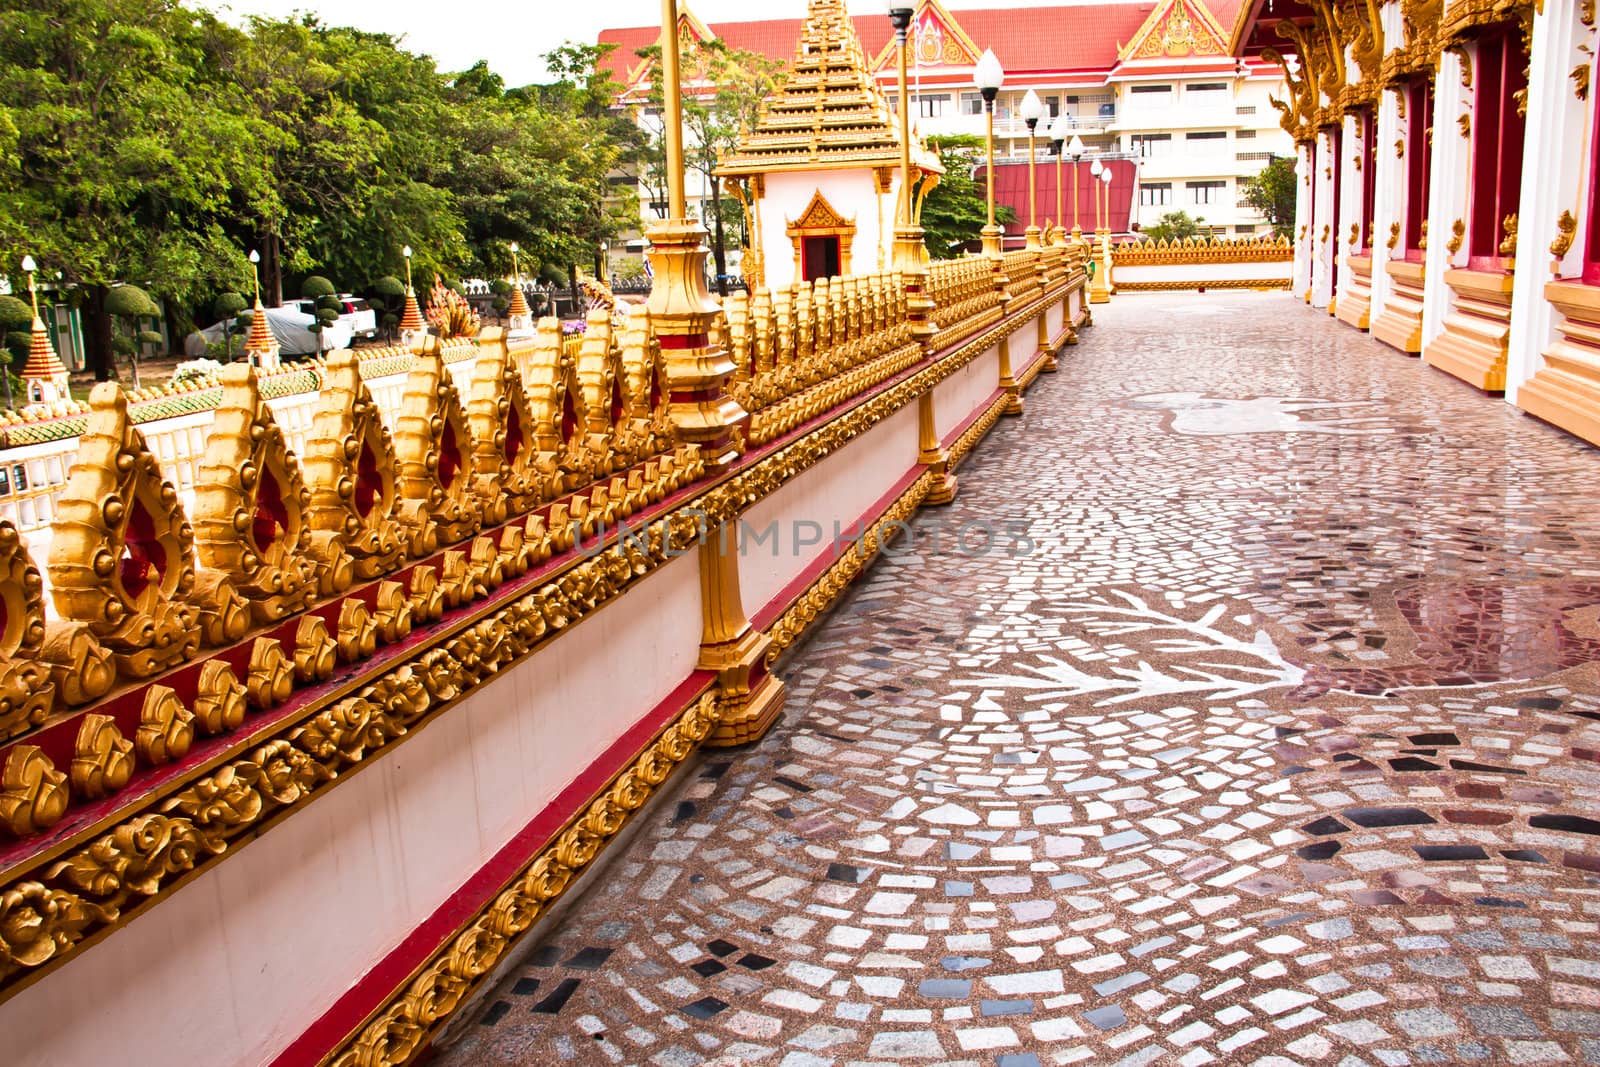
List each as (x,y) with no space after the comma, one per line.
(1075,150)
(988,76)
(1058,136)
(913,275)
(1032,110)
(1096,168)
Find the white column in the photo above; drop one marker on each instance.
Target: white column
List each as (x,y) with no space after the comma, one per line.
(1554,162)
(1322,221)
(1447,192)
(1352,211)
(1389,191)
(1304,239)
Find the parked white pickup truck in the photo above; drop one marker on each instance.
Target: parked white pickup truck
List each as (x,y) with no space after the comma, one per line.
(358,315)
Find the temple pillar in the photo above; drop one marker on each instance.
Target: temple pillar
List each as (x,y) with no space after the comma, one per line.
(1352,212)
(1323,172)
(1388,196)
(1303,243)
(1451,171)
(1550,189)
(751,697)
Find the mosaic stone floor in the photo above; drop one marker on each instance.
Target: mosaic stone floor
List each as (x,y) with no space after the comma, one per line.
(1280,743)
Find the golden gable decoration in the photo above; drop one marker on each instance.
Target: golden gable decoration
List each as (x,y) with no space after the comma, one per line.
(433,449)
(828,113)
(1176,29)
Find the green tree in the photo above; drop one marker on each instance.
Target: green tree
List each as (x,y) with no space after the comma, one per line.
(131,303)
(736,82)
(1174,226)
(956,211)
(1272,193)
(126,151)
(226,307)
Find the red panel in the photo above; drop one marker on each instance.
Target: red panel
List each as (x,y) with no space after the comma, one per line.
(1011,188)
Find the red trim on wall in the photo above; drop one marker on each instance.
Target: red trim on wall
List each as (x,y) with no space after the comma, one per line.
(1591,244)
(352,1009)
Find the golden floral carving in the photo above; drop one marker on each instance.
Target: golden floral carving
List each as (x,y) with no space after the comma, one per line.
(37,922)
(433,449)
(102,760)
(250,503)
(1399,148)
(1458,233)
(81,670)
(270,678)
(451,974)
(1394,235)
(221,702)
(350,473)
(1580,81)
(358,634)
(1464,120)
(33,794)
(166,727)
(122,558)
(315,652)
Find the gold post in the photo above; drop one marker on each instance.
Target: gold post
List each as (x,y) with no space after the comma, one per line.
(1033,212)
(1076,229)
(904,200)
(993,235)
(908,252)
(672,111)
(1059,235)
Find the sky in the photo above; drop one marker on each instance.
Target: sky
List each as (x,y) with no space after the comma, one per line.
(515,37)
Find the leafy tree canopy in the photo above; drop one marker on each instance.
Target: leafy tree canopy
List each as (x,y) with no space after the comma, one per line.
(1272,192)
(1174,226)
(956,211)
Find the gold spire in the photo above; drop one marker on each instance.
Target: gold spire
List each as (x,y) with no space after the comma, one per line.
(261,343)
(828,112)
(519,304)
(412,318)
(42,359)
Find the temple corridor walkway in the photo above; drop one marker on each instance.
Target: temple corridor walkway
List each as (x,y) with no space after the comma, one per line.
(1280,743)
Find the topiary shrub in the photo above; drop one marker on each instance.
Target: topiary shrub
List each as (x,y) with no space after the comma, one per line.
(227,305)
(316,286)
(14,312)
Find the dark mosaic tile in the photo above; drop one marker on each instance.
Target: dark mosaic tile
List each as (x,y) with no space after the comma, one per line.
(1437,853)
(588,959)
(705,1007)
(558,997)
(1575,824)
(496,1012)
(707,968)
(750,961)
(523,987)
(720,947)
(1384,817)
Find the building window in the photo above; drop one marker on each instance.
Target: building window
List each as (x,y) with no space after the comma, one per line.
(1497,132)
(972,103)
(1245,109)
(1152,89)
(1206,192)
(1253,157)
(1205,142)
(1151,96)
(1052,104)
(1243,135)
(933,105)
(1155,194)
(1244,231)
(1152,145)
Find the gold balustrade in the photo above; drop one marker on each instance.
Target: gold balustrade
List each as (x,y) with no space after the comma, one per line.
(187,560)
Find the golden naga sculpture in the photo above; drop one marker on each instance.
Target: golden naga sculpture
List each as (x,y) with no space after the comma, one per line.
(350,471)
(598,378)
(122,557)
(26,691)
(433,446)
(250,504)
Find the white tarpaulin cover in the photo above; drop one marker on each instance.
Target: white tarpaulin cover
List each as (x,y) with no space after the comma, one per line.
(288,327)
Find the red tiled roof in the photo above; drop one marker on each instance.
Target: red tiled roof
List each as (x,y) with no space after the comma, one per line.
(1024,39)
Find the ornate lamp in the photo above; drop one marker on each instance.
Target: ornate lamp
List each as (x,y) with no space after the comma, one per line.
(1075,150)
(518,314)
(1058,137)
(988,76)
(412,328)
(1105,179)
(900,18)
(1096,168)
(1032,110)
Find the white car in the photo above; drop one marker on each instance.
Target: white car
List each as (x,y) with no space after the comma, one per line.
(290,327)
(358,315)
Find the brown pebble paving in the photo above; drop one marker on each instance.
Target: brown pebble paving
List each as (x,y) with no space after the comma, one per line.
(1267,731)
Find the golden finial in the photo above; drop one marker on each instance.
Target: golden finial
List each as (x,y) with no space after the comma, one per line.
(255,272)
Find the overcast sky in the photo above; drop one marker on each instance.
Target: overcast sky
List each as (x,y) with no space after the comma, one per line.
(515,37)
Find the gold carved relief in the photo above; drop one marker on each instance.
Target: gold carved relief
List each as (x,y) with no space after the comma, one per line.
(26,691)
(350,472)
(432,448)
(250,504)
(1566,228)
(507,472)
(122,557)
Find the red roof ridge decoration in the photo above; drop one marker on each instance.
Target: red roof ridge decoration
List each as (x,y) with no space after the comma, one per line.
(1177,29)
(42,359)
(937,40)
